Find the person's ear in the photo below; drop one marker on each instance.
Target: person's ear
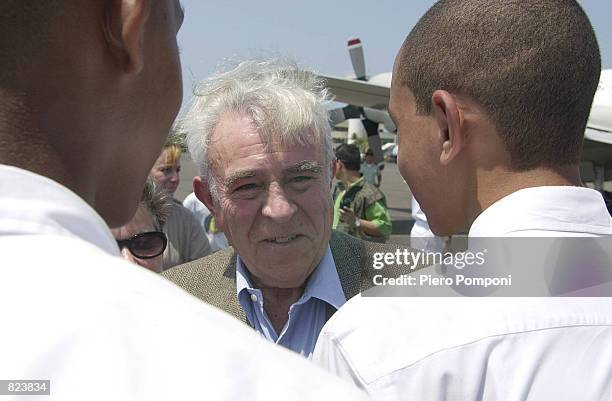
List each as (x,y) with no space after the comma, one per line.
(450,125)
(124,29)
(201,189)
(334,170)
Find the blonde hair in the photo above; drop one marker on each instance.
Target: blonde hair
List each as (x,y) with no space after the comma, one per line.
(173,153)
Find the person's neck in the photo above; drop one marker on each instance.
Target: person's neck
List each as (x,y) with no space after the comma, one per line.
(496,186)
(350,177)
(277,302)
(42,150)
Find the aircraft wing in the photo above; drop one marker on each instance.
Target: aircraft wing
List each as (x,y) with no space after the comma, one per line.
(597,135)
(597,149)
(358,93)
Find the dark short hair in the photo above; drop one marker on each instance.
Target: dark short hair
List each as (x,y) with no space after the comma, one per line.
(349,155)
(24,33)
(532,65)
(369,152)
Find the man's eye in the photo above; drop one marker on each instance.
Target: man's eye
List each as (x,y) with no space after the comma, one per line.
(246,187)
(301,178)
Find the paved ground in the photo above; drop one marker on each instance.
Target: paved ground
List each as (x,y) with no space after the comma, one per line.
(397,193)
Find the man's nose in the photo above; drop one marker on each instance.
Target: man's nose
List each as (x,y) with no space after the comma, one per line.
(278,206)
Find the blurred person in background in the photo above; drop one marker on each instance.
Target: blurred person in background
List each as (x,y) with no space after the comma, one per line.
(142,240)
(215,236)
(186,238)
(371,171)
(360,208)
(421,236)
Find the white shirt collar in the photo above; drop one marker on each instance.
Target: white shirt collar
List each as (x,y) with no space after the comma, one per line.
(562,209)
(31,204)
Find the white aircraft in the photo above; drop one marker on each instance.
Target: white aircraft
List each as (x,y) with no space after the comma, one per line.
(368,99)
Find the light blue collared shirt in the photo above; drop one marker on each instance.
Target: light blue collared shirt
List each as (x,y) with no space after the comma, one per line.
(306,316)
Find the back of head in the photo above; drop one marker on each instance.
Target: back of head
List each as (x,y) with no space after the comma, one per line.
(87,89)
(24,28)
(349,155)
(284,103)
(532,65)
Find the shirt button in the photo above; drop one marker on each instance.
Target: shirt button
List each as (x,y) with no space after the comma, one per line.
(253,297)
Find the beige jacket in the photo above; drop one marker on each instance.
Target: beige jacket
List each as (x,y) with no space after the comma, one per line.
(213,278)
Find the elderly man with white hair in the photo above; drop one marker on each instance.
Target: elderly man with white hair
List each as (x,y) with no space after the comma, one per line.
(261,138)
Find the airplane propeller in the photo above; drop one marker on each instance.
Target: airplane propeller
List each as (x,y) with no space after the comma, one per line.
(355,49)
(370,118)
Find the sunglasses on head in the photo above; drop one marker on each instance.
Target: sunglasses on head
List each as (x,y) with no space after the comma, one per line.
(145,245)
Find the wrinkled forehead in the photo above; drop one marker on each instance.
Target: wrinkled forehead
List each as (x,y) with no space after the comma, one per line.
(265,156)
(241,141)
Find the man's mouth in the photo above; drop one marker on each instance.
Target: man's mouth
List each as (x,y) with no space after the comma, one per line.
(281,240)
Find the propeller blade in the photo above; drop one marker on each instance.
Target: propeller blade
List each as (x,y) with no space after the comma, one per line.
(371,127)
(355,49)
(374,141)
(336,116)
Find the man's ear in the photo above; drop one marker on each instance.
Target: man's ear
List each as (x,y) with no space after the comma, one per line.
(334,170)
(201,189)
(124,28)
(450,125)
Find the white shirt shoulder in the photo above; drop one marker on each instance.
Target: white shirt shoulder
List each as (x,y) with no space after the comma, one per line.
(467,349)
(101,328)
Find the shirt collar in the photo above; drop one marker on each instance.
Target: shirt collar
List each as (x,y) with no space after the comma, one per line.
(358,182)
(323,283)
(31,204)
(550,208)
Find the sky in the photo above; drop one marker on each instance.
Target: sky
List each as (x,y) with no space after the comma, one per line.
(315,32)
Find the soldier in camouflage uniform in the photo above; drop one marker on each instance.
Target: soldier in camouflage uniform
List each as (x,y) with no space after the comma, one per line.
(360,208)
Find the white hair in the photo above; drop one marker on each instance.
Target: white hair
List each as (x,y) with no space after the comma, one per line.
(157,202)
(283,102)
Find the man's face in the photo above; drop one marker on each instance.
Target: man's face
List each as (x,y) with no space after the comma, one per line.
(274,204)
(162,69)
(339,170)
(156,94)
(418,156)
(166,174)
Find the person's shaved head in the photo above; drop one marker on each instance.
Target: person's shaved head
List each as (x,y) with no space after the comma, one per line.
(24,28)
(532,65)
(89,88)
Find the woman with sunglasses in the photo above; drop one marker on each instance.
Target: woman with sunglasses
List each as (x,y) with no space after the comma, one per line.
(141,240)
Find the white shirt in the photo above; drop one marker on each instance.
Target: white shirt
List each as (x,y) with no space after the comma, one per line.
(101,328)
(421,236)
(545,212)
(370,172)
(484,349)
